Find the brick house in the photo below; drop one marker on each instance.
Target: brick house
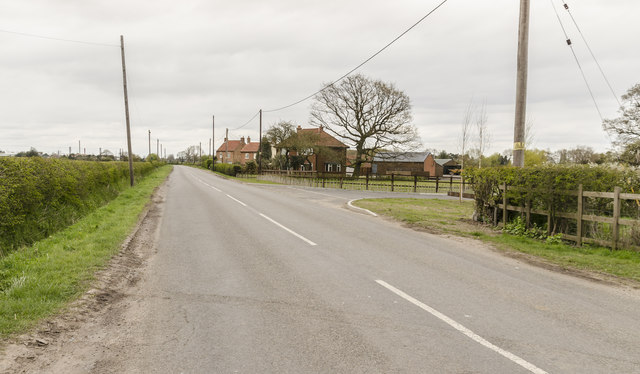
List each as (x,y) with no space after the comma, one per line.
(238,151)
(249,152)
(387,162)
(322,152)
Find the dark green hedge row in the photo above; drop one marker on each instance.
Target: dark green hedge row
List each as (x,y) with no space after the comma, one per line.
(542,185)
(228,169)
(40,196)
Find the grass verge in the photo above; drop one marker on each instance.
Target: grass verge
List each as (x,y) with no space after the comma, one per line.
(453,217)
(39,280)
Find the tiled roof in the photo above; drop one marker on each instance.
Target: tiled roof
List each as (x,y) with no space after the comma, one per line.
(324,139)
(401,157)
(251,147)
(233,146)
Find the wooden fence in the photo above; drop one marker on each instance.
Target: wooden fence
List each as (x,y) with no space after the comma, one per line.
(615,220)
(392,182)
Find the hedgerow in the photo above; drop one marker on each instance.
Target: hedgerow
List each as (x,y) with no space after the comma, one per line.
(228,169)
(40,196)
(553,188)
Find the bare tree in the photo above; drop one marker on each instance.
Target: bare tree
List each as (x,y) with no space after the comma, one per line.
(369,115)
(626,128)
(529,133)
(484,137)
(466,131)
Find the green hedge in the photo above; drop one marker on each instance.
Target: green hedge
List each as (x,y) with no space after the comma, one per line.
(228,169)
(40,196)
(543,187)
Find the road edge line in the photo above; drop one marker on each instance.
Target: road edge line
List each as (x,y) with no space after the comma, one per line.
(358,209)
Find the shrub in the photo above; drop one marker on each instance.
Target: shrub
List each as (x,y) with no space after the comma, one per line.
(228,169)
(40,196)
(250,167)
(542,185)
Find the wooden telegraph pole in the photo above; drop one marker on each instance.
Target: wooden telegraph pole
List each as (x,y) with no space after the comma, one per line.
(126,111)
(149,141)
(260,147)
(213,141)
(521,85)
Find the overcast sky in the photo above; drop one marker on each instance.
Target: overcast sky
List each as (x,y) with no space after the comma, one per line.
(189,60)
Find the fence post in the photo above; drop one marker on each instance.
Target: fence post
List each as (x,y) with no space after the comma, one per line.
(340,182)
(437,179)
(579,216)
(451,183)
(616,216)
(324,177)
(415,183)
(527,206)
(504,204)
(392,182)
(367,185)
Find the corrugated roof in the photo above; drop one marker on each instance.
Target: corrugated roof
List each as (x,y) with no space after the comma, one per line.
(442,161)
(401,157)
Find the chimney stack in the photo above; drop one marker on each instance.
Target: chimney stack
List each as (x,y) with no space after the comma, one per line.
(248,139)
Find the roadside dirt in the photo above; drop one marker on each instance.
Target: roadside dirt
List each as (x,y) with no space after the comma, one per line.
(78,338)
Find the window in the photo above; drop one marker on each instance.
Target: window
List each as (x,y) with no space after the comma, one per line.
(246,156)
(228,154)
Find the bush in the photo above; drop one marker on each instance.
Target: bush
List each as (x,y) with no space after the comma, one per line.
(40,196)
(541,185)
(250,168)
(228,169)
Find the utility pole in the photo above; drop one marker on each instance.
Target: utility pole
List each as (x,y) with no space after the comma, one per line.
(521,85)
(213,140)
(157,146)
(79,148)
(226,142)
(126,111)
(200,146)
(260,147)
(149,142)
(69,151)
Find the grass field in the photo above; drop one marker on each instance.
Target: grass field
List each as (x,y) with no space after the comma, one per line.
(453,217)
(38,280)
(400,184)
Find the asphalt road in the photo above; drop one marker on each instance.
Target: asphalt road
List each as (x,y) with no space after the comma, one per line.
(275,279)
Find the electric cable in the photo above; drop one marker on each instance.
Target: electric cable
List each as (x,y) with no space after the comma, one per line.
(248,122)
(584,77)
(591,52)
(58,39)
(360,65)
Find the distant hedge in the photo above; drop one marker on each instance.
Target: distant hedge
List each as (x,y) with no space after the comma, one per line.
(228,169)
(40,196)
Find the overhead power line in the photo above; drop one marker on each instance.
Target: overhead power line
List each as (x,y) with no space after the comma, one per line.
(58,39)
(570,44)
(360,65)
(591,52)
(248,122)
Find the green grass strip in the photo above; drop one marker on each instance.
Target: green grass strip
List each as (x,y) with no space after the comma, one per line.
(39,280)
(453,217)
